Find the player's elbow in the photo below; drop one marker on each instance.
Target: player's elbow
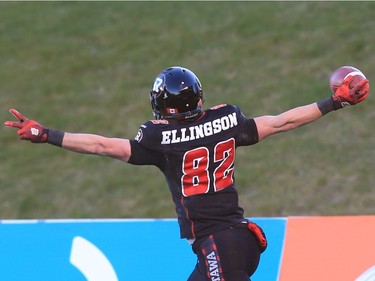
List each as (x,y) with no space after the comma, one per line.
(98,149)
(113,147)
(269,131)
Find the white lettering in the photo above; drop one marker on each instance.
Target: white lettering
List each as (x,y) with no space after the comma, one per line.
(166,137)
(175,139)
(200,131)
(213,266)
(192,137)
(184,137)
(207,129)
(217,126)
(233,120)
(214,272)
(211,256)
(225,123)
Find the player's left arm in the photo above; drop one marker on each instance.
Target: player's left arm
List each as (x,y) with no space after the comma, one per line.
(302,115)
(117,148)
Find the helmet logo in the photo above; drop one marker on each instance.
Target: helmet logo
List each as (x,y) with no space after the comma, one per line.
(158,82)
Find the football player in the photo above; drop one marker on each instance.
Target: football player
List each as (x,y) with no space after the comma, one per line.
(195,150)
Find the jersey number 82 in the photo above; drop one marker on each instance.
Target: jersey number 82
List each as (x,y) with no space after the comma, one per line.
(196,177)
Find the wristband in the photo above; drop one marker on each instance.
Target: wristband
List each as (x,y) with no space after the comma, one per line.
(326,105)
(55,137)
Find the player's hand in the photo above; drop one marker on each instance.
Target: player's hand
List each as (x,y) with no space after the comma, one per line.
(28,129)
(345,95)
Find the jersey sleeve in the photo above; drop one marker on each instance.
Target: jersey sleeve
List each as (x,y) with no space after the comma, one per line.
(248,132)
(145,148)
(141,155)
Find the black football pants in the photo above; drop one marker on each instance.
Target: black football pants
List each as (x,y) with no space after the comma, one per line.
(229,255)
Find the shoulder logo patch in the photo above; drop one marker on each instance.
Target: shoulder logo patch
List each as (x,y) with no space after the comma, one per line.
(139,135)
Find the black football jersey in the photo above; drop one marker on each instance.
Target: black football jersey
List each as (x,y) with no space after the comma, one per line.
(197,159)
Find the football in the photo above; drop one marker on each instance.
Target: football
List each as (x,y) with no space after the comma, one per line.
(339,75)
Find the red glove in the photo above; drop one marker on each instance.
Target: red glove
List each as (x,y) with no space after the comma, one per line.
(345,95)
(28,129)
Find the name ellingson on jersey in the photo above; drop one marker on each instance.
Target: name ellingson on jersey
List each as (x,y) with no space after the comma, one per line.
(200,131)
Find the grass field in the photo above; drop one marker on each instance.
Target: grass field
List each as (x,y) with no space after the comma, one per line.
(88,67)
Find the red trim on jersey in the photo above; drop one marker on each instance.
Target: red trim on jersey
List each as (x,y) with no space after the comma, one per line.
(218,106)
(200,117)
(187,216)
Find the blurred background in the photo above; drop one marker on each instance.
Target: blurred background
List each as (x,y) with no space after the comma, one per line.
(88,67)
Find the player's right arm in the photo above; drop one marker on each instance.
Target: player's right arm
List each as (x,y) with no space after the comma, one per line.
(268,125)
(299,116)
(32,131)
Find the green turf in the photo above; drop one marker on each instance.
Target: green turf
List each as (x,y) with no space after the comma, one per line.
(88,67)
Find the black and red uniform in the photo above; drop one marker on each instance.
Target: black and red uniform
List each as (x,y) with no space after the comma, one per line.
(197,159)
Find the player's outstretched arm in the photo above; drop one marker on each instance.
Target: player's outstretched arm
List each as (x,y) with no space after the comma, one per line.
(299,116)
(272,124)
(99,145)
(33,131)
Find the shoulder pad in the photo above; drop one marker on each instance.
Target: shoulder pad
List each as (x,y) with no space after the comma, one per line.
(218,106)
(160,122)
